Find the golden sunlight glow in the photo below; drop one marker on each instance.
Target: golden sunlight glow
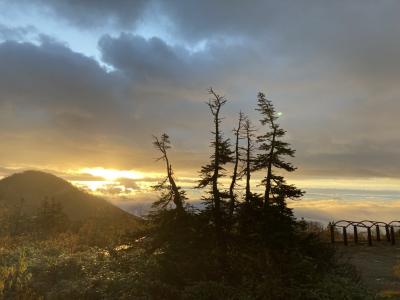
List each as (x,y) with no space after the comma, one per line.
(114,182)
(93,186)
(112,174)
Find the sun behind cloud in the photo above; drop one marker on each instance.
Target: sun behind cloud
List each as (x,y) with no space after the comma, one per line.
(112,174)
(114,183)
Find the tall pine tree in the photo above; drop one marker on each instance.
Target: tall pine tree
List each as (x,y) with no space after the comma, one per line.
(248,156)
(210,173)
(236,160)
(272,157)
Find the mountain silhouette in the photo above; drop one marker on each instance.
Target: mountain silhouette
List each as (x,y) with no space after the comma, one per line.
(31,188)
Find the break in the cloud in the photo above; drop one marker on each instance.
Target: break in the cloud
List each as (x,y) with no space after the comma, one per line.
(330,66)
(87,14)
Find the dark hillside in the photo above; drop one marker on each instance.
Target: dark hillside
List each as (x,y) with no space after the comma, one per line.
(30,188)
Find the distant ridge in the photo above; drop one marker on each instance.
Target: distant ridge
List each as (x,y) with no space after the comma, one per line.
(36,186)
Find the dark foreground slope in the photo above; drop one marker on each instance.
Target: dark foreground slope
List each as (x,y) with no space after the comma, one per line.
(30,189)
(379,266)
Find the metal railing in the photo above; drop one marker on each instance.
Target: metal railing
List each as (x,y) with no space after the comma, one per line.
(368,225)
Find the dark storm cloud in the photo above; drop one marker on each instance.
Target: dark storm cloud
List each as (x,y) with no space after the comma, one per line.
(144,59)
(52,78)
(306,21)
(153,60)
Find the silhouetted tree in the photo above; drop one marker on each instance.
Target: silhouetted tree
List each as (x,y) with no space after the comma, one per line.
(211,172)
(236,160)
(170,191)
(273,151)
(169,230)
(248,133)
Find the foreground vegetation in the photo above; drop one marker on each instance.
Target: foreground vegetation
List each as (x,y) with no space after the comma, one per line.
(236,246)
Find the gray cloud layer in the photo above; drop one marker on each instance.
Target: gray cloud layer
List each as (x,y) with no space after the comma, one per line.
(330,66)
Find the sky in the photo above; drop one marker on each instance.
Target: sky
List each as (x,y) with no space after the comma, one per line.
(84,85)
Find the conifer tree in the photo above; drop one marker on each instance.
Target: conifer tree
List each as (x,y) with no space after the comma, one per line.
(271,158)
(236,159)
(170,190)
(211,172)
(248,135)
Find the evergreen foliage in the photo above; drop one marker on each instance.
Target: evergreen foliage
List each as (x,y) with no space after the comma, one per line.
(273,150)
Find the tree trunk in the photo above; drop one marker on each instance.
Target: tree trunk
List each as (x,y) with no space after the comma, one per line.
(235,168)
(269,172)
(177,196)
(248,166)
(220,239)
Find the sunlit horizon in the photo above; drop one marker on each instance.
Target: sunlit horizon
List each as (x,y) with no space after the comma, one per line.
(325,199)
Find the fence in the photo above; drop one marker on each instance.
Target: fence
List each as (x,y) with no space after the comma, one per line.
(369,226)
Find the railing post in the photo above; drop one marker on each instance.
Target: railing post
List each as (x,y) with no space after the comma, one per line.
(332,228)
(369,236)
(355,234)
(345,236)
(392,237)
(387,233)
(378,233)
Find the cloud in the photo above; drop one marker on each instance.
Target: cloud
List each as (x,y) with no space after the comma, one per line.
(331,67)
(8,33)
(143,59)
(128,183)
(52,76)
(175,67)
